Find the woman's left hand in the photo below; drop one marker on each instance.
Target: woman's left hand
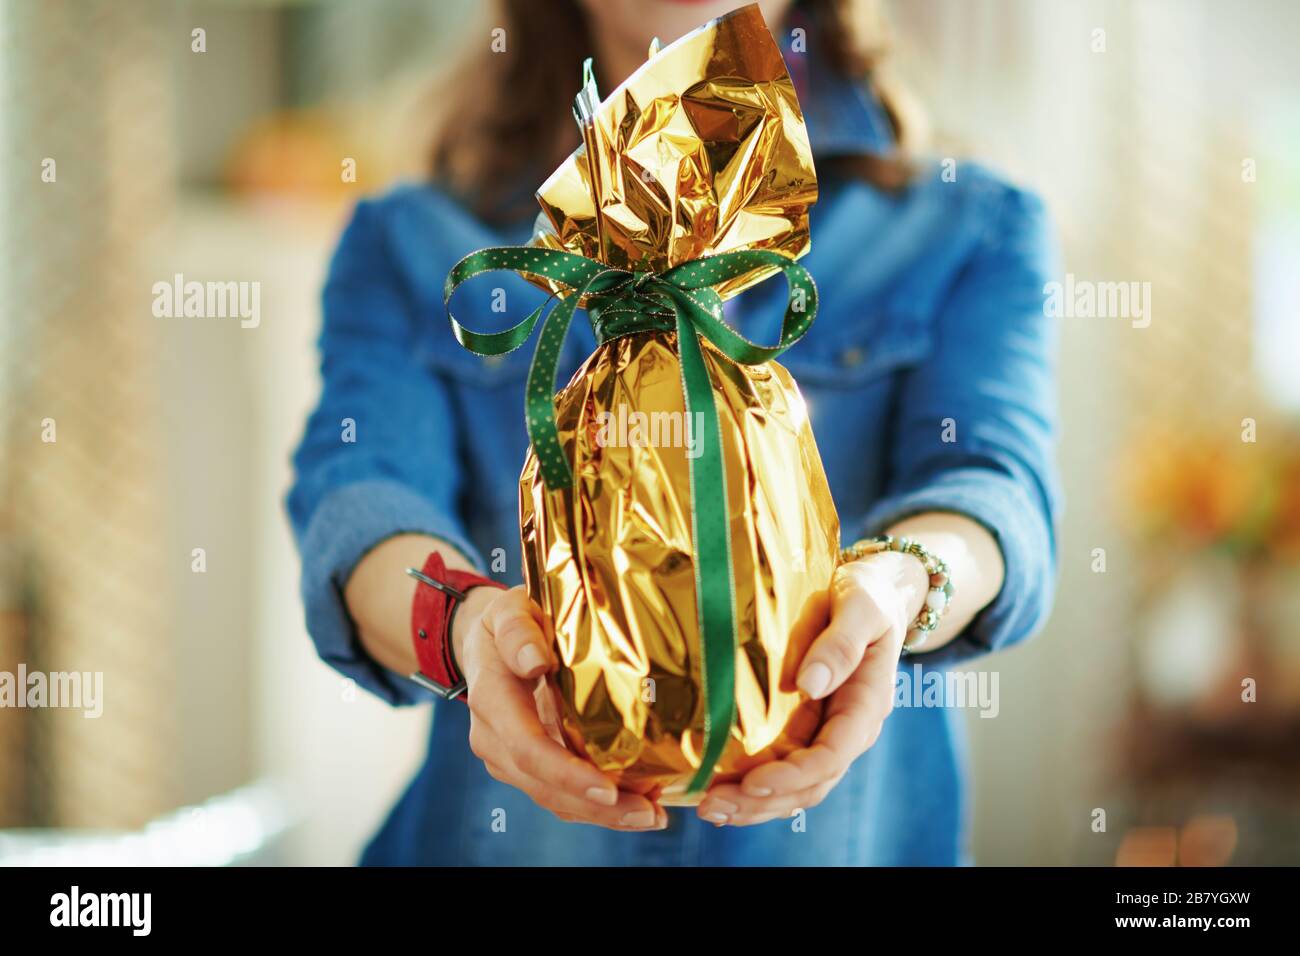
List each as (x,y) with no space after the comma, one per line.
(853,663)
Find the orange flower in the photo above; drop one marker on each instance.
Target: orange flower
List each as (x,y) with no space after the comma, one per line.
(1215,492)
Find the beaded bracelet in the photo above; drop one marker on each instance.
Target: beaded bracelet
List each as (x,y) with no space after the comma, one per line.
(936,599)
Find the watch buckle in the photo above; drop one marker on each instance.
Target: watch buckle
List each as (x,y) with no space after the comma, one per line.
(446,693)
(444,588)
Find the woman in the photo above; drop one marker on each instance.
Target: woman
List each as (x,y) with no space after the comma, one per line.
(929,377)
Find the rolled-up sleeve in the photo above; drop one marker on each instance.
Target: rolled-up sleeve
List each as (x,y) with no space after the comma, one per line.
(975,430)
(379,453)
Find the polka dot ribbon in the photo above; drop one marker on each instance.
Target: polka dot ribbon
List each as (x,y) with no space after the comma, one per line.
(619,303)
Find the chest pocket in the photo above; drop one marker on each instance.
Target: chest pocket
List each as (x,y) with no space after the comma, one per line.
(848,348)
(438,351)
(487,398)
(445,356)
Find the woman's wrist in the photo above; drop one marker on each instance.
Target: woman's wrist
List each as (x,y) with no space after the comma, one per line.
(467,616)
(918,582)
(379,593)
(909,576)
(975,561)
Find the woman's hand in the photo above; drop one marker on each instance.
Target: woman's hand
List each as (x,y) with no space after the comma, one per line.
(503,653)
(852,663)
(498,641)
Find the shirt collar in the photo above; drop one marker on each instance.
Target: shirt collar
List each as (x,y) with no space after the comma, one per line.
(843,116)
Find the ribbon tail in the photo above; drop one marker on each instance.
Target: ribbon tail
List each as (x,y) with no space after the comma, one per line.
(710,527)
(539,399)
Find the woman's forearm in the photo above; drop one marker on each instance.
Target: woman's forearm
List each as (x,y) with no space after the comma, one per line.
(379,595)
(973,558)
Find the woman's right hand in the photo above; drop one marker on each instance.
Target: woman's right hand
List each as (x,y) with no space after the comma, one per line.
(502,653)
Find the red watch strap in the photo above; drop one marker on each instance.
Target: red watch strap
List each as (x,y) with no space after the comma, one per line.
(432,611)
(429,620)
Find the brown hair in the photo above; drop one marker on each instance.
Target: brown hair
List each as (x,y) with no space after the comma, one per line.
(504,119)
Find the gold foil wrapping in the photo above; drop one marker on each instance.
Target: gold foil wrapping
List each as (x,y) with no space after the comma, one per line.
(702,150)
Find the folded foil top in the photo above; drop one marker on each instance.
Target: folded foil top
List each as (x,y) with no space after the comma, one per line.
(702,150)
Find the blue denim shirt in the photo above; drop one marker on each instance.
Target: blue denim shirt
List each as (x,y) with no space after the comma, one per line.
(930,382)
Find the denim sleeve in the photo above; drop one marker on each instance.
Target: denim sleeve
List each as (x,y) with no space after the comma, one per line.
(378,456)
(975,430)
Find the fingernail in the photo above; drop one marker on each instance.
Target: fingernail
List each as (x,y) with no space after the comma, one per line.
(716,817)
(718,805)
(815,679)
(754,791)
(530,658)
(642,819)
(602,795)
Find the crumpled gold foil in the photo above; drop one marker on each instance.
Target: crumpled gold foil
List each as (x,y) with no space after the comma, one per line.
(702,150)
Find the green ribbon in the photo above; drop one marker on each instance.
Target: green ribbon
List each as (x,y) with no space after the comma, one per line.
(620,303)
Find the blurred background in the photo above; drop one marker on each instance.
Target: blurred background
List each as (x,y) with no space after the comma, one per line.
(143,461)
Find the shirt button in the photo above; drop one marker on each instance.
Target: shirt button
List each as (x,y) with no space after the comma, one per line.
(852,356)
(493,361)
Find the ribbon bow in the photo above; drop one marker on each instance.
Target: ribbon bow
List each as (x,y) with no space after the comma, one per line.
(620,303)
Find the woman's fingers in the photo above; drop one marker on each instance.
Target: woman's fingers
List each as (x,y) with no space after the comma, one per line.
(502,705)
(728,805)
(505,728)
(857,619)
(514,623)
(507,734)
(628,812)
(818,762)
(842,739)
(632,812)
(853,660)
(855,716)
